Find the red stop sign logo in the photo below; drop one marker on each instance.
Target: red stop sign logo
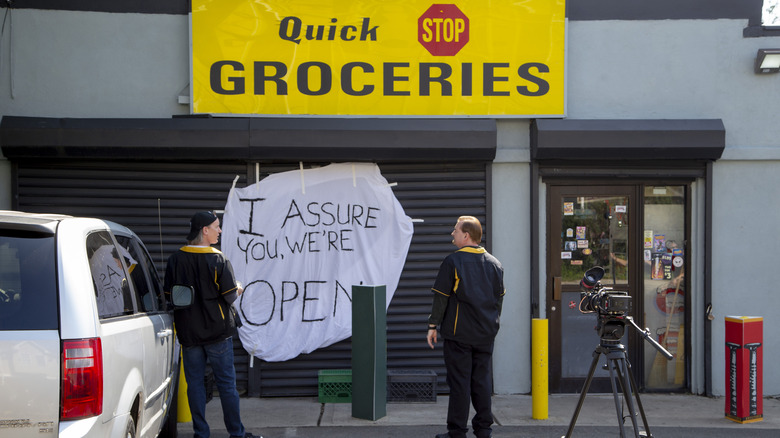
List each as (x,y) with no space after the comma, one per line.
(443,30)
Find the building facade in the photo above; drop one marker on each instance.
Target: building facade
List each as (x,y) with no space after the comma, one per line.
(661,169)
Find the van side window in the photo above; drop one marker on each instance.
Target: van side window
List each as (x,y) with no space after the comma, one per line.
(770,13)
(114,297)
(145,282)
(154,278)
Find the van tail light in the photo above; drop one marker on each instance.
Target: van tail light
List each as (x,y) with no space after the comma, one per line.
(82,378)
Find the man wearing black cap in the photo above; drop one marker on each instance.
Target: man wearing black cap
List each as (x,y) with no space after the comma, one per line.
(204,329)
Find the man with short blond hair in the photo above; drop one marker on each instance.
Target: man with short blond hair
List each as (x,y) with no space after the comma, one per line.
(468,294)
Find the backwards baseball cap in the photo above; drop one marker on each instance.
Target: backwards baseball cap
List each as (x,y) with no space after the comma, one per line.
(199,220)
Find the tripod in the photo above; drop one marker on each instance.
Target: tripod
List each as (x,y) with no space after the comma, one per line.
(611,329)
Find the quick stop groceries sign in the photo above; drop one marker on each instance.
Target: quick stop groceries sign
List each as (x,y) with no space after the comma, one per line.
(299,241)
(370,58)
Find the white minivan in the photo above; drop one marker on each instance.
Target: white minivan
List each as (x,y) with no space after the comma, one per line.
(87,347)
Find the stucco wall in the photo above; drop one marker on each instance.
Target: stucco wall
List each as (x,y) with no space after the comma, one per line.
(673,69)
(511,231)
(744,252)
(88,64)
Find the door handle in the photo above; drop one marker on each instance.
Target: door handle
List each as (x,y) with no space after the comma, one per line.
(164,333)
(556,288)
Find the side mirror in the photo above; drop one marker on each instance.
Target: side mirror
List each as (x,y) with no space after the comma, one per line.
(181,295)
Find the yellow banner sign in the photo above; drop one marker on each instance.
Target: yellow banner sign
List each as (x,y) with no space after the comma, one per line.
(369,58)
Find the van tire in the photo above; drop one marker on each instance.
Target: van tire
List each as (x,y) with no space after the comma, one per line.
(130,432)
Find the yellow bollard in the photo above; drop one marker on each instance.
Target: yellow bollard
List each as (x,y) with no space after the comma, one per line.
(539,369)
(183,414)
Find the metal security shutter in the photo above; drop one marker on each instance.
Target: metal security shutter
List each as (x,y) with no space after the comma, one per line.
(437,194)
(127,192)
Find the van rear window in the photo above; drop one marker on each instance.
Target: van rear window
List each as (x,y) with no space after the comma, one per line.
(28,291)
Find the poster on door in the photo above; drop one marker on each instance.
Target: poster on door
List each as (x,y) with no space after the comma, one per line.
(299,241)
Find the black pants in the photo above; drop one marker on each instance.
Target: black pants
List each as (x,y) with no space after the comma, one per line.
(470,380)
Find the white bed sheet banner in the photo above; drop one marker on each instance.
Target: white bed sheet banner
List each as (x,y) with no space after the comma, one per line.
(299,241)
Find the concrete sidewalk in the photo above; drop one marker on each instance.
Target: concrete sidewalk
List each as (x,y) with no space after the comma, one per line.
(305,416)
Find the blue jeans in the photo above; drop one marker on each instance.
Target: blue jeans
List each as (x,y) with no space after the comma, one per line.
(220,356)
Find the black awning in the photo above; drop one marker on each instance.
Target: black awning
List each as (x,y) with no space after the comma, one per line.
(206,138)
(621,140)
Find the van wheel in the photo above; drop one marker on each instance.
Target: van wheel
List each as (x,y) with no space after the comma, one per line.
(130,433)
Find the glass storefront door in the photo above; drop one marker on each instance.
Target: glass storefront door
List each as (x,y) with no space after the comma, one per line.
(637,233)
(589,226)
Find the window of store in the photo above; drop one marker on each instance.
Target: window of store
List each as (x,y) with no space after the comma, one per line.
(664,256)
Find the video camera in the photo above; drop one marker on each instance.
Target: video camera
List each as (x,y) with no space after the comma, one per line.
(612,306)
(597,298)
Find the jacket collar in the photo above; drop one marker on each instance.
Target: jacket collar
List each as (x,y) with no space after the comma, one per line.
(473,249)
(200,249)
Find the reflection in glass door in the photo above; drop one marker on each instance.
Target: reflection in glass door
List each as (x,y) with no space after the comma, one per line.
(594,232)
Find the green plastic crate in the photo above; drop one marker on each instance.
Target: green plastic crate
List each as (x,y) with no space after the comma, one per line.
(335,386)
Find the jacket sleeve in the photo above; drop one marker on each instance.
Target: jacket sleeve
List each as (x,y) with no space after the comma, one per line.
(437,310)
(228,287)
(442,289)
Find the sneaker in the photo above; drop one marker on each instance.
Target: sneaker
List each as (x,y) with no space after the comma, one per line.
(443,435)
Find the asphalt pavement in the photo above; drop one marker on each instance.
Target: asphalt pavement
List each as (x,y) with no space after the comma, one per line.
(668,415)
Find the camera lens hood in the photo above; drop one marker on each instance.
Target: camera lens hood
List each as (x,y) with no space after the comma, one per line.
(592,277)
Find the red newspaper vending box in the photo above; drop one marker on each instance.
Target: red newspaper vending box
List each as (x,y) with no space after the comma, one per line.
(744,369)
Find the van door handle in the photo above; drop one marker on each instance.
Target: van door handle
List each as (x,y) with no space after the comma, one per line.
(164,334)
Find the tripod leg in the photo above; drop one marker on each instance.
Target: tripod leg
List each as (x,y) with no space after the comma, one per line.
(612,366)
(623,372)
(584,392)
(635,389)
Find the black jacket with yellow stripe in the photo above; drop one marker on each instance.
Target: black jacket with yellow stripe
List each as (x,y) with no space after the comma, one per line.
(206,269)
(468,294)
